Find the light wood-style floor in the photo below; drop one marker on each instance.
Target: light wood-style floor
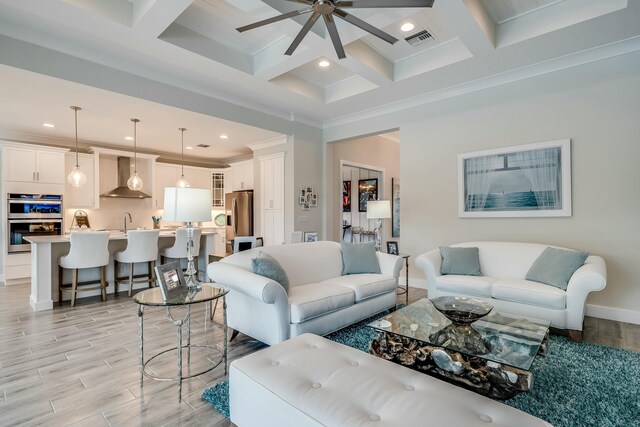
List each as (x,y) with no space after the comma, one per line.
(79,366)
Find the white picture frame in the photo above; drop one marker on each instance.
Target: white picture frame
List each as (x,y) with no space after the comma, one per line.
(501,182)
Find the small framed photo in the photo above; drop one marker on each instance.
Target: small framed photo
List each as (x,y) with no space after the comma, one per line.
(303,193)
(392,248)
(310,236)
(309,189)
(302,200)
(170,279)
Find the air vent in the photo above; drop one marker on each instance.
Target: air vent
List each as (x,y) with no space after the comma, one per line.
(203,146)
(419,38)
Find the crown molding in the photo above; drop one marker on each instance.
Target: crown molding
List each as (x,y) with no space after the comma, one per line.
(271,142)
(535,70)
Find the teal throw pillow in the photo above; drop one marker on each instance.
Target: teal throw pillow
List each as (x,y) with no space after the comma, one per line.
(460,261)
(267,266)
(556,266)
(359,258)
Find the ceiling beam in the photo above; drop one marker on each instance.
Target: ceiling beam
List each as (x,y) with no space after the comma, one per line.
(470,22)
(365,61)
(153,17)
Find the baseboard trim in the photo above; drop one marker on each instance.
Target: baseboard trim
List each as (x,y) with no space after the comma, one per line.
(612,313)
(40,305)
(598,311)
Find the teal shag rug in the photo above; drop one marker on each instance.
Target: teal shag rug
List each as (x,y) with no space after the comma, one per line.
(575,385)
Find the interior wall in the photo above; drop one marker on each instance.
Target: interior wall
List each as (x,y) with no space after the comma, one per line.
(596,105)
(375,151)
(307,148)
(602,122)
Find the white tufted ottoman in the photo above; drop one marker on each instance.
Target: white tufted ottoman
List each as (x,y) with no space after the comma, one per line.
(311,381)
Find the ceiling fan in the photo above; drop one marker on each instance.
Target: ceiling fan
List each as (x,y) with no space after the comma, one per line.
(330,8)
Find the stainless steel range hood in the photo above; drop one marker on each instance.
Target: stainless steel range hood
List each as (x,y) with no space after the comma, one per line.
(122,191)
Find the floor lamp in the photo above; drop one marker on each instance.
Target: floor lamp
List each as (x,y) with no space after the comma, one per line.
(379,210)
(186,204)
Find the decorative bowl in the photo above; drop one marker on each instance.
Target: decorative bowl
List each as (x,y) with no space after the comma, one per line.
(462,310)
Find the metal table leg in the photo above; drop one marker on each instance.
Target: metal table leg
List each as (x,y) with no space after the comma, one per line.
(141,343)
(224,328)
(406,289)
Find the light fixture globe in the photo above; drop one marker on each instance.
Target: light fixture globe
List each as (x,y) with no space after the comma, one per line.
(77,178)
(182,182)
(135,182)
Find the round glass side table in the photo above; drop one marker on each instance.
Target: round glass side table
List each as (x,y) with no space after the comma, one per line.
(183,298)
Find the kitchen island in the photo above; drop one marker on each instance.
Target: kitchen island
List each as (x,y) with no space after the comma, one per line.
(47,250)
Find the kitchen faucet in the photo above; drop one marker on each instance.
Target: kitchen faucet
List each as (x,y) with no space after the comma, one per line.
(125,221)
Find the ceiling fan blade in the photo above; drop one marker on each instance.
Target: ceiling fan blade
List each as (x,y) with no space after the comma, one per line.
(301,35)
(365,26)
(274,19)
(385,3)
(302,1)
(335,37)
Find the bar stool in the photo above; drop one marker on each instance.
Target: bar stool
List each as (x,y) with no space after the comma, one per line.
(142,246)
(89,249)
(179,248)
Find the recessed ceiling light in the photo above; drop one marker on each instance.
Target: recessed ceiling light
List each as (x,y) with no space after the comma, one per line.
(128,138)
(407,27)
(48,125)
(324,63)
(224,137)
(189,148)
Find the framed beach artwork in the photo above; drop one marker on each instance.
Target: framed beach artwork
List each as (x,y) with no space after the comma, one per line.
(367,191)
(532,180)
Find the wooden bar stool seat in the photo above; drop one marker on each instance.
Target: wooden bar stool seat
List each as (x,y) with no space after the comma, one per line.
(142,246)
(89,249)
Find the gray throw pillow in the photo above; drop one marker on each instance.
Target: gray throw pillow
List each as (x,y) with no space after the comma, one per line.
(267,266)
(460,261)
(359,258)
(556,266)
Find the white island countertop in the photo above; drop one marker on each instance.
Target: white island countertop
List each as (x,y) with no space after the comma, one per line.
(115,235)
(47,250)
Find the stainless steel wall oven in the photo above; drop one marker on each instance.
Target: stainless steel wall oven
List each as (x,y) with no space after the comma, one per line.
(32,215)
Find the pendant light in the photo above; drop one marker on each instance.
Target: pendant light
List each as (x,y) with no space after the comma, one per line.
(134,182)
(76,178)
(182,182)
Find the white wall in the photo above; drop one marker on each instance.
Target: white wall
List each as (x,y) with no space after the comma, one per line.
(596,105)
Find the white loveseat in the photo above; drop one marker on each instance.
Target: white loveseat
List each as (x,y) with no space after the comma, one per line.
(504,266)
(320,300)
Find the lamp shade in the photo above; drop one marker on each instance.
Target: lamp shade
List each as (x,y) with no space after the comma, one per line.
(187,204)
(378,209)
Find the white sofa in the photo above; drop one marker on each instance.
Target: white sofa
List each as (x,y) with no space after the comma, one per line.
(320,300)
(311,381)
(504,266)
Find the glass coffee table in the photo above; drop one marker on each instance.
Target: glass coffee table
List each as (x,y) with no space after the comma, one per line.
(492,356)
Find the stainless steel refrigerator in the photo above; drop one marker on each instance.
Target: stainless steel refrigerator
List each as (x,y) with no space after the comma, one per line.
(239,210)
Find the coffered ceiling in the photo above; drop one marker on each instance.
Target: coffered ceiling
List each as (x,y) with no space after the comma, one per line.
(195,42)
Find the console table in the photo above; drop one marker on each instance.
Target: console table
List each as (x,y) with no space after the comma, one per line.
(185,298)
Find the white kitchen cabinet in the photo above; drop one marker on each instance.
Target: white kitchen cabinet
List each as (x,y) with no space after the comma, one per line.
(217,188)
(242,175)
(220,243)
(86,196)
(30,164)
(166,176)
(271,198)
(197,177)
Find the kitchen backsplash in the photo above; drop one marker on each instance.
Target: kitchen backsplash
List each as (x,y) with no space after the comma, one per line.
(112,211)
